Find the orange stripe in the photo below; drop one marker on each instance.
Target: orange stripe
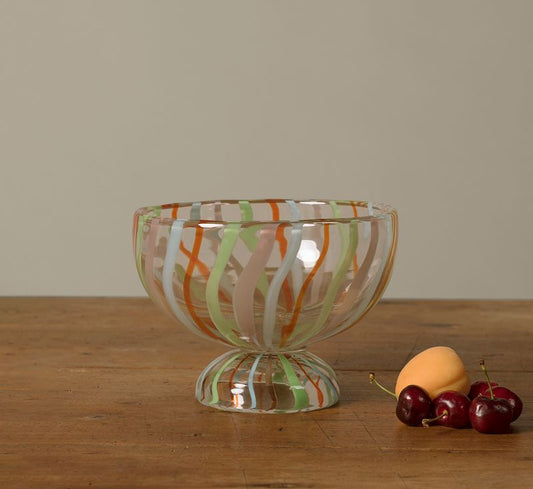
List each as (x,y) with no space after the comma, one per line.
(203,269)
(275,210)
(287,290)
(280,238)
(135,230)
(289,328)
(230,381)
(319,391)
(187,285)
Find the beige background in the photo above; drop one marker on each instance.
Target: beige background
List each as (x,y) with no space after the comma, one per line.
(109,105)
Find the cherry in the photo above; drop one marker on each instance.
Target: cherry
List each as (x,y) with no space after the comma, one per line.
(450,408)
(490,414)
(479,387)
(413,403)
(507,394)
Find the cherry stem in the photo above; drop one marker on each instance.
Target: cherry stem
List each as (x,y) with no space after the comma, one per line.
(373,380)
(426,421)
(482,363)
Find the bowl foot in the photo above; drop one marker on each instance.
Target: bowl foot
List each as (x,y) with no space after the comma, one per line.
(267,382)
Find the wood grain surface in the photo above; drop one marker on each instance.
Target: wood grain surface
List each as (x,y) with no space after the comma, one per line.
(99,393)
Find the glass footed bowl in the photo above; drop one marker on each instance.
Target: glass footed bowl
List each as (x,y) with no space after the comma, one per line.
(268,278)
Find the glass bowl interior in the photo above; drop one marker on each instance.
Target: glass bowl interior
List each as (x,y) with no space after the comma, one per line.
(265,274)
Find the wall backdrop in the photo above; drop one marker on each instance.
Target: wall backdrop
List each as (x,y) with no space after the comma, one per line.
(109,105)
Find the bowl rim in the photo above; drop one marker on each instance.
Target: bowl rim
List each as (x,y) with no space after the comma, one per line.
(379,211)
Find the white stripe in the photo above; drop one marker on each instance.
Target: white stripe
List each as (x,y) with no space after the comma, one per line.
(366,225)
(195,211)
(271,301)
(272,297)
(168,273)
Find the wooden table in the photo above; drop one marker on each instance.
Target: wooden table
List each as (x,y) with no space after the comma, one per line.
(99,392)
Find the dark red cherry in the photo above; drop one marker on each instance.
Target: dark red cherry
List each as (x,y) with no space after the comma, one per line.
(450,408)
(414,405)
(479,387)
(490,415)
(507,394)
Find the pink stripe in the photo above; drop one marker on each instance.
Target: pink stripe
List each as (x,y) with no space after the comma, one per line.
(243,293)
(154,290)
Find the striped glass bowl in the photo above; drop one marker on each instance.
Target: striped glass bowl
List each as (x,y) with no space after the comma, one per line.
(268,278)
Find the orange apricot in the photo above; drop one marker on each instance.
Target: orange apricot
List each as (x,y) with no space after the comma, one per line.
(435,370)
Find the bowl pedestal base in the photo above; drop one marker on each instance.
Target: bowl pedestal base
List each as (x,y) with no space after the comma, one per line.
(268,382)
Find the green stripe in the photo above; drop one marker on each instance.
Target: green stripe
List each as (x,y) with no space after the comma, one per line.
(214,385)
(153,211)
(140,226)
(249,236)
(301,400)
(246,210)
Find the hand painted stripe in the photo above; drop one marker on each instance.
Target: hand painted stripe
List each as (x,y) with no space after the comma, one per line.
(269,384)
(202,267)
(139,250)
(248,235)
(286,289)
(320,282)
(226,327)
(168,272)
(355,265)
(232,376)
(174,214)
(289,328)
(152,287)
(392,232)
(320,394)
(358,285)
(134,235)
(296,280)
(243,293)
(199,264)
(331,388)
(187,283)
(323,281)
(334,285)
(195,211)
(301,400)
(251,390)
(366,225)
(282,241)
(214,386)
(154,213)
(149,259)
(271,301)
